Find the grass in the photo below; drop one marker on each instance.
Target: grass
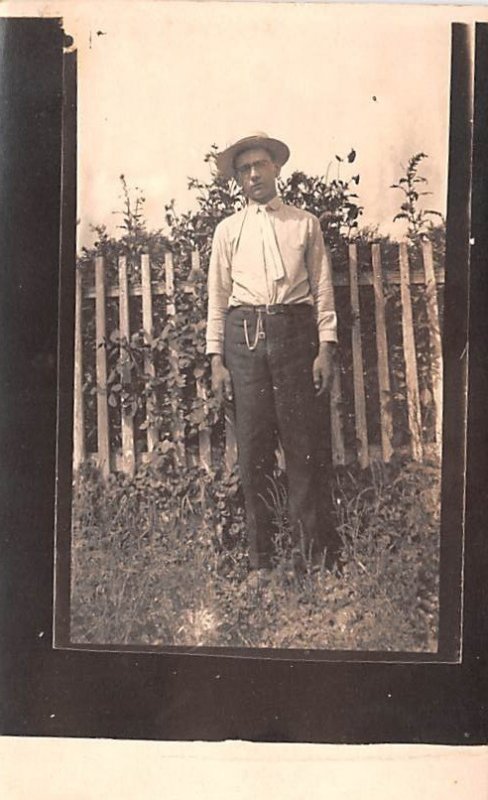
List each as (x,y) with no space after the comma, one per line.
(168,568)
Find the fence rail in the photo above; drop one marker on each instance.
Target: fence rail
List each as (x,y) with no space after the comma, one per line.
(376,277)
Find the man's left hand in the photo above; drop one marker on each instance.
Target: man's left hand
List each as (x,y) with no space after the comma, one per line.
(323,367)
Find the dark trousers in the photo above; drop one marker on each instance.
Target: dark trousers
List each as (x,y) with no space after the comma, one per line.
(274,396)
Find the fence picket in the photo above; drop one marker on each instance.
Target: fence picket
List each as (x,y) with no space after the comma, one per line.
(149,369)
(434,337)
(178,427)
(357,362)
(411,376)
(230,440)
(204,434)
(169,280)
(78,407)
(336,419)
(195,262)
(126,415)
(103,438)
(386,417)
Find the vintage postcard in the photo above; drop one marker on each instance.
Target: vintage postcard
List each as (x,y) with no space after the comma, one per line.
(267,218)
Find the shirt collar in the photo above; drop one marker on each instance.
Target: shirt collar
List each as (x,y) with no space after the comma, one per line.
(274,204)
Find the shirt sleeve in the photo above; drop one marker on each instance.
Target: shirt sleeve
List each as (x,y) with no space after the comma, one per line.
(219,290)
(319,267)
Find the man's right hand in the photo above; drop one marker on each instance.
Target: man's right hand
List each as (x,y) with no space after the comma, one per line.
(221,382)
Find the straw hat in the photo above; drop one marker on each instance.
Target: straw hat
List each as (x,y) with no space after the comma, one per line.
(225,160)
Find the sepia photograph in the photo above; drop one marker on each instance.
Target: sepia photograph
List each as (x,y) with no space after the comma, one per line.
(258,395)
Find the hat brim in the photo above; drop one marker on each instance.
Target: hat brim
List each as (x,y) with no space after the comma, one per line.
(225,160)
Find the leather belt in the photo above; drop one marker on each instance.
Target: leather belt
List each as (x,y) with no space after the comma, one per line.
(279,308)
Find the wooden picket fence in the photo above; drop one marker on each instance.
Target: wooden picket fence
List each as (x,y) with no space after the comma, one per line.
(404,277)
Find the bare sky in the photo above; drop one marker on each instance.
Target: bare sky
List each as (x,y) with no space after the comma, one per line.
(159,82)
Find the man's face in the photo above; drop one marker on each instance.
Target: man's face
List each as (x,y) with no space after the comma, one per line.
(256,174)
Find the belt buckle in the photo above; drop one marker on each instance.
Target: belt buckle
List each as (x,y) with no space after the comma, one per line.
(271,309)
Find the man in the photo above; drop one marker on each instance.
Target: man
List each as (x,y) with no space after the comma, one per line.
(271,333)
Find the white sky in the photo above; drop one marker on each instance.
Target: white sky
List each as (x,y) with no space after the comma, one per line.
(168,79)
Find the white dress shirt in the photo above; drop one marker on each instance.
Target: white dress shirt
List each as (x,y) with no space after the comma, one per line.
(268,258)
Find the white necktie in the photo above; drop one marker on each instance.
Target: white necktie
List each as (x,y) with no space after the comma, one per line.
(272,255)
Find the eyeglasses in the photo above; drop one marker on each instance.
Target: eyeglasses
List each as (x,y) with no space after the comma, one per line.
(245,170)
